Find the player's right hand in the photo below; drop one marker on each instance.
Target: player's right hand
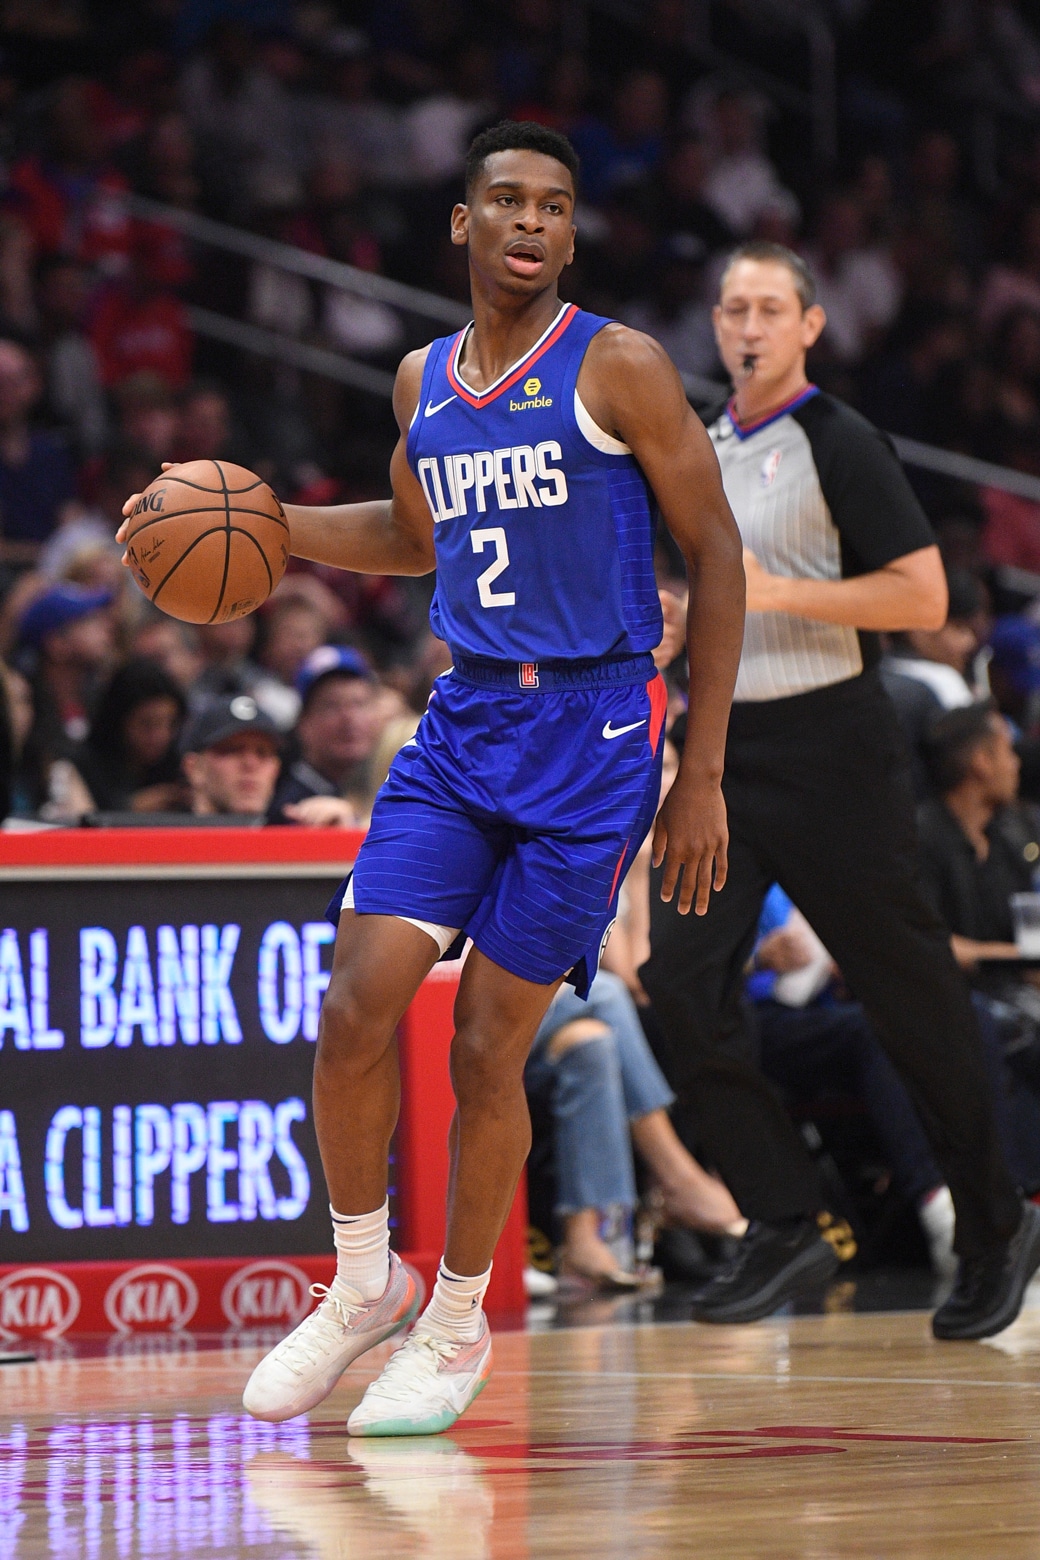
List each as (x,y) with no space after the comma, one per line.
(128,509)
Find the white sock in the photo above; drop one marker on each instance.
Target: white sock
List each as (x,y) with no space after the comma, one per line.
(454,1311)
(363,1250)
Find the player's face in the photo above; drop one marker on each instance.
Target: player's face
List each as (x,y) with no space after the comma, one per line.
(759,316)
(519,222)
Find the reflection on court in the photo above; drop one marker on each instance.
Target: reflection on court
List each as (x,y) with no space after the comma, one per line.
(816,1437)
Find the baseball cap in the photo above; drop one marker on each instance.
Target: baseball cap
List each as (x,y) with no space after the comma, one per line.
(225,718)
(1015,643)
(63,604)
(331,661)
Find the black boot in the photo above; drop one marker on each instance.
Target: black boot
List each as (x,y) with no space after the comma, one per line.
(772,1263)
(988,1291)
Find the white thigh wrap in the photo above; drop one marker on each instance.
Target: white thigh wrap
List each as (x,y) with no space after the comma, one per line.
(443,936)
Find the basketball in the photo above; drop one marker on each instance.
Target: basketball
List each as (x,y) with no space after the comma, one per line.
(208,541)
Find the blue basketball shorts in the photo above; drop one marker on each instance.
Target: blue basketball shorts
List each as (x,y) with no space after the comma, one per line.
(515,812)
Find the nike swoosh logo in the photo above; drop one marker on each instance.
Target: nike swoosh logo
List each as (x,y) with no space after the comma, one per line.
(609,731)
(430,410)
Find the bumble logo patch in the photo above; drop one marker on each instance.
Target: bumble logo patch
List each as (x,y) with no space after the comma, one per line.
(532,390)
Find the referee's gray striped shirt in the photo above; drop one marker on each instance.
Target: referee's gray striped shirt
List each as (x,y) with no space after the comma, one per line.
(817,494)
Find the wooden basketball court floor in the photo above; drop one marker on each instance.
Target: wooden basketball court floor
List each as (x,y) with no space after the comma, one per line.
(813,1437)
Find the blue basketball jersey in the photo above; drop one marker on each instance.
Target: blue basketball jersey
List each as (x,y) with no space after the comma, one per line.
(544,542)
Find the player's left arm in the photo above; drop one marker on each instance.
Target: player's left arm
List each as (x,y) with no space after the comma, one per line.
(631,389)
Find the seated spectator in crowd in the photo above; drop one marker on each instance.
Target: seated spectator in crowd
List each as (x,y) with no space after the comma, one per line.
(170,644)
(926,670)
(1014,669)
(26,782)
(75,399)
(674,311)
(628,149)
(337,732)
(138,325)
(231,758)
(149,415)
(813,1044)
(591,1062)
(978,848)
(207,430)
(129,761)
(127,468)
(858,288)
(742,183)
(682,204)
(979,845)
(1015,284)
(67,638)
(1011,535)
(37,482)
(292,628)
(71,199)
(229,669)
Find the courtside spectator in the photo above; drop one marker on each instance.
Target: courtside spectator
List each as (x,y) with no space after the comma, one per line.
(67,640)
(337,732)
(129,759)
(230,758)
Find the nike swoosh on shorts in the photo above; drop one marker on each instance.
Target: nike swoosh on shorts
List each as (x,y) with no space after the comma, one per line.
(439,407)
(610,731)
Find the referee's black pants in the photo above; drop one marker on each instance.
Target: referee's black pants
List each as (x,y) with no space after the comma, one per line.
(819,801)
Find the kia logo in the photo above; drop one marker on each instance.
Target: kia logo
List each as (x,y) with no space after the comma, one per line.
(37,1303)
(151,1298)
(266,1292)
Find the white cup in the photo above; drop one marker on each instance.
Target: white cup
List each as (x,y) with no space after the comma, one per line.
(1025,912)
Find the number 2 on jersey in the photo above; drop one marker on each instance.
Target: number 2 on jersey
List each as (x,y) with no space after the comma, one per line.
(488,597)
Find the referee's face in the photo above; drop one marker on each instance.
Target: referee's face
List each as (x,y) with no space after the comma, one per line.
(759,317)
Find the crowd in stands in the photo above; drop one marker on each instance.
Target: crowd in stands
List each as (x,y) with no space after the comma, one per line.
(341,129)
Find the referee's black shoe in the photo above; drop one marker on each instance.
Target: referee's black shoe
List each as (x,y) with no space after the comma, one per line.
(988,1292)
(772,1263)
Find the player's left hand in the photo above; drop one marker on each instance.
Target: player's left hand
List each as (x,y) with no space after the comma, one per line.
(691,836)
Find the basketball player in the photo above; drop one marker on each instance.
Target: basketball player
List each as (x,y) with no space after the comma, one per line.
(532,446)
(819,800)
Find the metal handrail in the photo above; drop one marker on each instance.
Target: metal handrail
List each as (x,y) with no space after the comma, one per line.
(287,257)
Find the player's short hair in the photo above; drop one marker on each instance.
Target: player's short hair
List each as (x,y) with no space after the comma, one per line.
(953,739)
(763,250)
(519,135)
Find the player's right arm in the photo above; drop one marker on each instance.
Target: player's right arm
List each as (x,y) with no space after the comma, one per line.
(385,536)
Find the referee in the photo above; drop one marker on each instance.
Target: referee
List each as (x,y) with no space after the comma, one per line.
(836,550)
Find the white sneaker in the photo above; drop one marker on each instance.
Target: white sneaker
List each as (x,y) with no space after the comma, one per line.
(424,1386)
(303,1369)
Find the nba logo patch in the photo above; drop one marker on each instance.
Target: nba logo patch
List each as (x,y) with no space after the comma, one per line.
(770,467)
(529,674)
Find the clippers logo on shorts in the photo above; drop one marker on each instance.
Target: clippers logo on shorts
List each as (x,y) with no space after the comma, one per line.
(266,1292)
(37,1303)
(529,674)
(151,1298)
(521,477)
